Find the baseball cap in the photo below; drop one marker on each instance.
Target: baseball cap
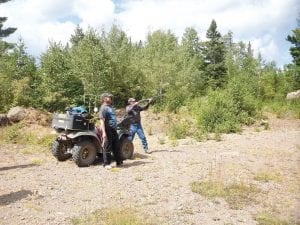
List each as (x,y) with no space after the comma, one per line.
(131,100)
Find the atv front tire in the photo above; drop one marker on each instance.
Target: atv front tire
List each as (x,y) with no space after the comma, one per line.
(59,151)
(126,148)
(84,153)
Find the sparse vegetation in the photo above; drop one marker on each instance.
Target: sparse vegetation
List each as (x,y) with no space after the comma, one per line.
(37,161)
(139,178)
(161,140)
(236,195)
(268,176)
(112,216)
(268,219)
(179,130)
(115,169)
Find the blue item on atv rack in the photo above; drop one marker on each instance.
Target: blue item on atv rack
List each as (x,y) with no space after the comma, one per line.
(77,110)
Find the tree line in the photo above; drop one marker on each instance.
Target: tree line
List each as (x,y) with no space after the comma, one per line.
(184,70)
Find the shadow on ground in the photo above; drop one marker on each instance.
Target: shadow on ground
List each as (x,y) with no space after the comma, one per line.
(17,167)
(134,163)
(14,196)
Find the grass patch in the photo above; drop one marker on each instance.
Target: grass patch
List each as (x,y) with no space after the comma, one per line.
(236,195)
(111,217)
(268,219)
(115,170)
(29,150)
(11,134)
(139,178)
(37,161)
(174,143)
(284,108)
(30,205)
(268,176)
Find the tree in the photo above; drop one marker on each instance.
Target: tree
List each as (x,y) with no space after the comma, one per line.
(192,63)
(5,32)
(18,79)
(294,39)
(59,88)
(91,64)
(77,36)
(214,54)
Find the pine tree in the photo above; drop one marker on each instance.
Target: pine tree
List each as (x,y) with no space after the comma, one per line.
(5,32)
(214,53)
(295,53)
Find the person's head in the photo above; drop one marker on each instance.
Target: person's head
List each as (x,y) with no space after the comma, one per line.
(106,98)
(131,101)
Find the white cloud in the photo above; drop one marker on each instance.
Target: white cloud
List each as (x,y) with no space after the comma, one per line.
(265,23)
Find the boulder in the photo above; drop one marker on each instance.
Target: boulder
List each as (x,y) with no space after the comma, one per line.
(293,95)
(16,114)
(4,121)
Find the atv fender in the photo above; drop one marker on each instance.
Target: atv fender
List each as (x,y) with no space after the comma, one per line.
(83,134)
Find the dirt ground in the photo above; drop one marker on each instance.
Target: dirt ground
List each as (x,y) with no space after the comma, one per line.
(36,189)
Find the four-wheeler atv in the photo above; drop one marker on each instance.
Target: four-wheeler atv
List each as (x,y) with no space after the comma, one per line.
(80,139)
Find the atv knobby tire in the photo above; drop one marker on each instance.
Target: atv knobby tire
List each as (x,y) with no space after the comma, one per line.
(59,151)
(84,153)
(126,148)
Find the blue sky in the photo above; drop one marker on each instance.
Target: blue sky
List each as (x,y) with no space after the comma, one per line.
(265,23)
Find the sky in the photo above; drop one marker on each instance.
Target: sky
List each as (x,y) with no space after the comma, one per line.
(263,23)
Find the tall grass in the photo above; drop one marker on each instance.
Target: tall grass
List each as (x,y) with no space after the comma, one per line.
(283,108)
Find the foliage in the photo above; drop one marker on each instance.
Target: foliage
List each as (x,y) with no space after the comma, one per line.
(59,87)
(179,130)
(5,32)
(185,71)
(294,39)
(214,51)
(219,114)
(11,134)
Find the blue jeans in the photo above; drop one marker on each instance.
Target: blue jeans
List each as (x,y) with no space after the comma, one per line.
(137,128)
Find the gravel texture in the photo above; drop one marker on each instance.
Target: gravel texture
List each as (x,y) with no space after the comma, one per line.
(36,189)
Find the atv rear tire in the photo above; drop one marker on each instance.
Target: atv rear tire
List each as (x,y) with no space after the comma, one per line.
(126,148)
(59,151)
(84,153)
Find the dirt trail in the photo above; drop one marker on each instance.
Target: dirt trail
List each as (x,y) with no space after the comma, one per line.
(158,185)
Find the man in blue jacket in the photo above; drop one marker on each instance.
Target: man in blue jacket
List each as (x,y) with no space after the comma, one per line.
(134,110)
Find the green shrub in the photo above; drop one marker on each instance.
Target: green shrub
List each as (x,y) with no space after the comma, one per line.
(179,130)
(219,114)
(11,134)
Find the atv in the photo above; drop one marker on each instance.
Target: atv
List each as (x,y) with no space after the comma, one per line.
(80,139)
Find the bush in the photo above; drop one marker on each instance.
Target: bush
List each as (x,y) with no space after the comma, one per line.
(179,130)
(227,110)
(219,114)
(11,134)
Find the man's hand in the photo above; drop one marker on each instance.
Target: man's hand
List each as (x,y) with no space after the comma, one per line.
(104,136)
